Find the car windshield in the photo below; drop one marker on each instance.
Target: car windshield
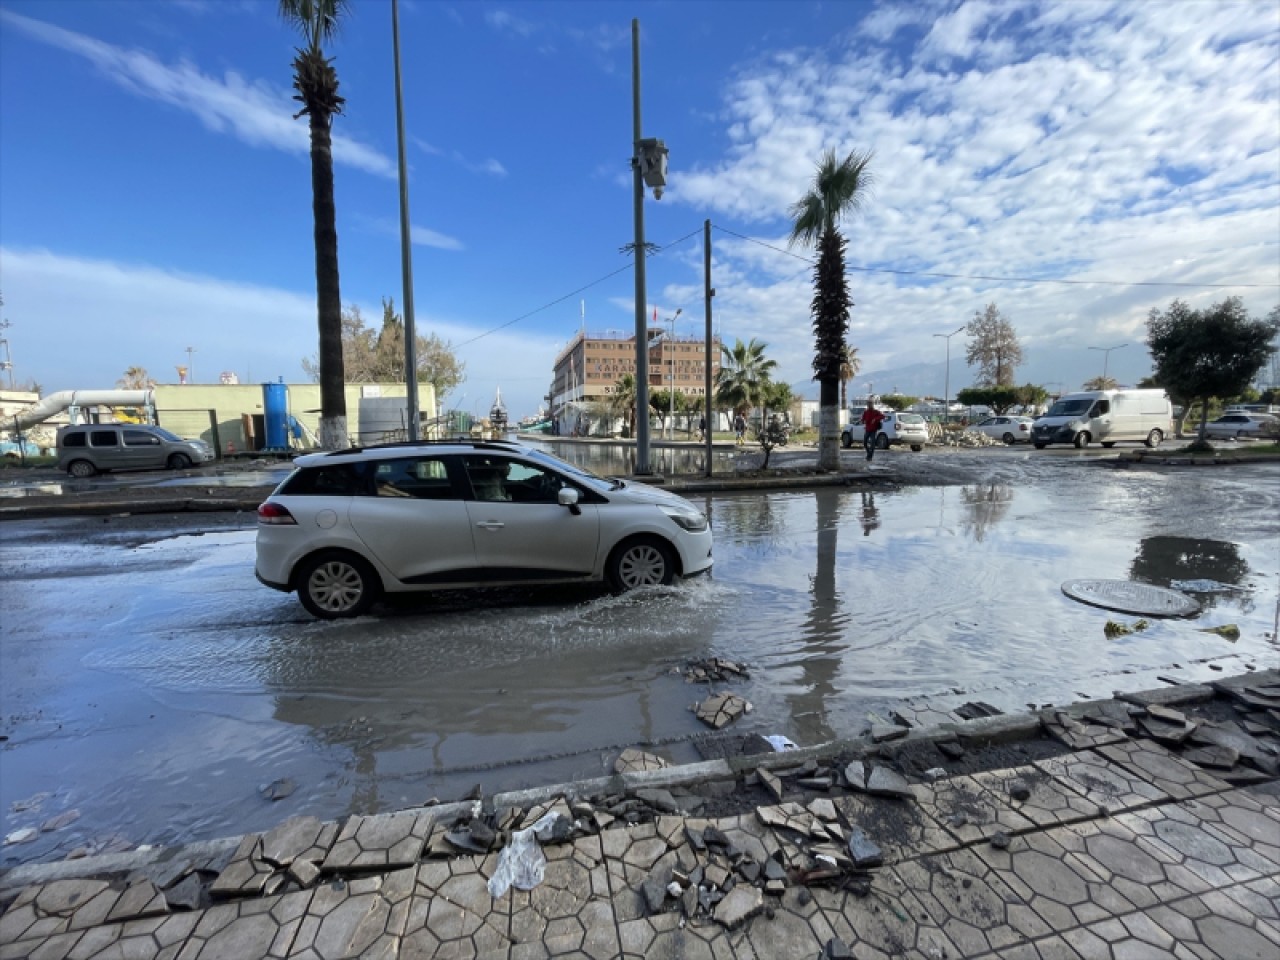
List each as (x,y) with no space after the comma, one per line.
(1070,408)
(563,466)
(166,435)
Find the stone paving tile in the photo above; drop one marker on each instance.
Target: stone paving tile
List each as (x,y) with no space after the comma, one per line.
(1050,802)
(1239,816)
(883,923)
(1175,776)
(1218,857)
(664,937)
(899,827)
(636,854)
(1261,898)
(968,812)
(246,874)
(1212,925)
(1102,782)
(570,914)
(1051,948)
(452,914)
(798,928)
(1086,872)
(67,905)
(964,899)
(363,918)
(384,842)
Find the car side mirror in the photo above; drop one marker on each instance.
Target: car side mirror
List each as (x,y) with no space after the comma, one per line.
(568,497)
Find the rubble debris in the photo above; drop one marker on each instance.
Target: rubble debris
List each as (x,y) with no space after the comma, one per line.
(278,789)
(1228,631)
(721,709)
(714,670)
(770,783)
(977,709)
(632,760)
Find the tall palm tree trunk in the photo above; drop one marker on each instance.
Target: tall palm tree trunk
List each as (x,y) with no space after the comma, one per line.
(830,321)
(333,399)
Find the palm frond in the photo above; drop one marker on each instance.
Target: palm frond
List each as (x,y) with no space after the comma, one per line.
(316,20)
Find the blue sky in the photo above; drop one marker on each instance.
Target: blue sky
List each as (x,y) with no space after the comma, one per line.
(155,189)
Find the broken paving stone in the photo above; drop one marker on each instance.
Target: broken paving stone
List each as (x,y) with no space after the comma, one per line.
(689,902)
(721,710)
(823,809)
(289,840)
(882,732)
(278,789)
(1173,734)
(1000,840)
(463,840)
(888,783)
(655,894)
(815,783)
(1218,757)
(771,783)
(1167,714)
(658,799)
(837,949)
(856,774)
(864,851)
(66,818)
(303,873)
(976,709)
(632,760)
(739,906)
(186,895)
(951,749)
(773,870)
(695,839)
(715,837)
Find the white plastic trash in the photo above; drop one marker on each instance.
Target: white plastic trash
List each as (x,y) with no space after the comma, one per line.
(522,864)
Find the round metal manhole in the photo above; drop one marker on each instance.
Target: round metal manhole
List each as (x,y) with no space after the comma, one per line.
(1126,596)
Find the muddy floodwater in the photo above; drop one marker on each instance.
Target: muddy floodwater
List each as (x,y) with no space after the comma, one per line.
(152,686)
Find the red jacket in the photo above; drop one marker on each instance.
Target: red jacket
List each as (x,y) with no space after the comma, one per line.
(871,420)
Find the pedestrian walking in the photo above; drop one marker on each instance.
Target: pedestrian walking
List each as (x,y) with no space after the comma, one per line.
(702,427)
(740,429)
(871,420)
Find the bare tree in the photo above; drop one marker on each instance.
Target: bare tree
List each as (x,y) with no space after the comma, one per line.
(993,347)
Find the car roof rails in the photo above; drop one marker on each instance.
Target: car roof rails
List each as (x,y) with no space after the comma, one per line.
(448,442)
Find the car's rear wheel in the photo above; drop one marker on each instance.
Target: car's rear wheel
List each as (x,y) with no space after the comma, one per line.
(1153,439)
(917,447)
(882,441)
(1039,446)
(336,584)
(1108,444)
(1240,434)
(1081,440)
(81,469)
(1008,438)
(179,461)
(641,562)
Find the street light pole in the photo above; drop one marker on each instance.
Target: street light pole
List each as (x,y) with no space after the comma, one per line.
(191,366)
(406,257)
(946,380)
(1106,355)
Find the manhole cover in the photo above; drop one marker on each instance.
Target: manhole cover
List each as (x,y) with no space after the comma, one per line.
(1125,596)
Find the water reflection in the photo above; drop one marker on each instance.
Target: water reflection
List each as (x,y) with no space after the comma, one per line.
(615,459)
(869,516)
(987,505)
(1163,560)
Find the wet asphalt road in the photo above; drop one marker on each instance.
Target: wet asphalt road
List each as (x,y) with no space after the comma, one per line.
(151,684)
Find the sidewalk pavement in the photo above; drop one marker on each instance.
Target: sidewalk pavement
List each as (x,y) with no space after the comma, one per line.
(1145,826)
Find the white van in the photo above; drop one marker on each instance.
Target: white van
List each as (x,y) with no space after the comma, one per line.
(1106,416)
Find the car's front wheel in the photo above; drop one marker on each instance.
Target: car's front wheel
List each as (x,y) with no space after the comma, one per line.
(179,461)
(1039,446)
(81,469)
(336,584)
(1081,440)
(917,447)
(1008,438)
(641,562)
(846,440)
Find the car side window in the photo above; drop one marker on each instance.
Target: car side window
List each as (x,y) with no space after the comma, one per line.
(102,438)
(488,476)
(421,478)
(73,439)
(527,483)
(140,438)
(328,480)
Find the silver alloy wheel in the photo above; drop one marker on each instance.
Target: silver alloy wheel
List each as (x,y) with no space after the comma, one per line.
(336,586)
(643,565)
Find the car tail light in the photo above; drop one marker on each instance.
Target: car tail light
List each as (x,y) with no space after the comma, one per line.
(1023,427)
(274,513)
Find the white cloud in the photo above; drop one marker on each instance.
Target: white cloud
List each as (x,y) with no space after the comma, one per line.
(1074,141)
(251,111)
(420,236)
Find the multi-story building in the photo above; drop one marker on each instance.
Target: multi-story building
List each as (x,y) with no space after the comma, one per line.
(588,369)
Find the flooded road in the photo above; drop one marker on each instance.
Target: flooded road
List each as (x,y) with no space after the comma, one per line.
(152,685)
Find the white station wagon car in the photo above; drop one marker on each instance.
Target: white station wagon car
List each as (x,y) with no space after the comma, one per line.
(1011,429)
(346,527)
(898,429)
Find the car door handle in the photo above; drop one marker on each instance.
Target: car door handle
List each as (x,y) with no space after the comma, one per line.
(490,525)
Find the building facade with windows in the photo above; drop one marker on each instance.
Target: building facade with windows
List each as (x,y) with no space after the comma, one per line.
(589,367)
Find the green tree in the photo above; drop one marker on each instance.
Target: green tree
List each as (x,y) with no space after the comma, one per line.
(1212,353)
(744,372)
(999,399)
(1101,383)
(1031,395)
(993,347)
(897,401)
(850,367)
(622,401)
(840,188)
(317,84)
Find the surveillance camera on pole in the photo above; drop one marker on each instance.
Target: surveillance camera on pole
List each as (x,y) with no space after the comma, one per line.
(651,154)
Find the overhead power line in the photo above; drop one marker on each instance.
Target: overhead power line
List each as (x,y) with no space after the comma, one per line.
(964,276)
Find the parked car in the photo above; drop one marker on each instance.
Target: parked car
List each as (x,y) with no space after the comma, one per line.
(908,429)
(89,448)
(346,527)
(1008,429)
(1106,416)
(1240,425)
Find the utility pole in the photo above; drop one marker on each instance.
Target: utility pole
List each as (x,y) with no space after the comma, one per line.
(191,367)
(642,333)
(946,380)
(7,362)
(406,256)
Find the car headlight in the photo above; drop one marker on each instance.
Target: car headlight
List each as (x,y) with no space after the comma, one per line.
(691,520)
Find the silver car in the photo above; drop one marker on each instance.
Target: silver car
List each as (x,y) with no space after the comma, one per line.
(1241,425)
(346,527)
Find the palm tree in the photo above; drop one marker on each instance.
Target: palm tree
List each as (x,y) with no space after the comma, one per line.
(744,372)
(317,84)
(622,402)
(136,378)
(850,367)
(839,187)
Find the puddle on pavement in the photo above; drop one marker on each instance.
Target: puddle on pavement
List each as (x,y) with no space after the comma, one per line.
(157,691)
